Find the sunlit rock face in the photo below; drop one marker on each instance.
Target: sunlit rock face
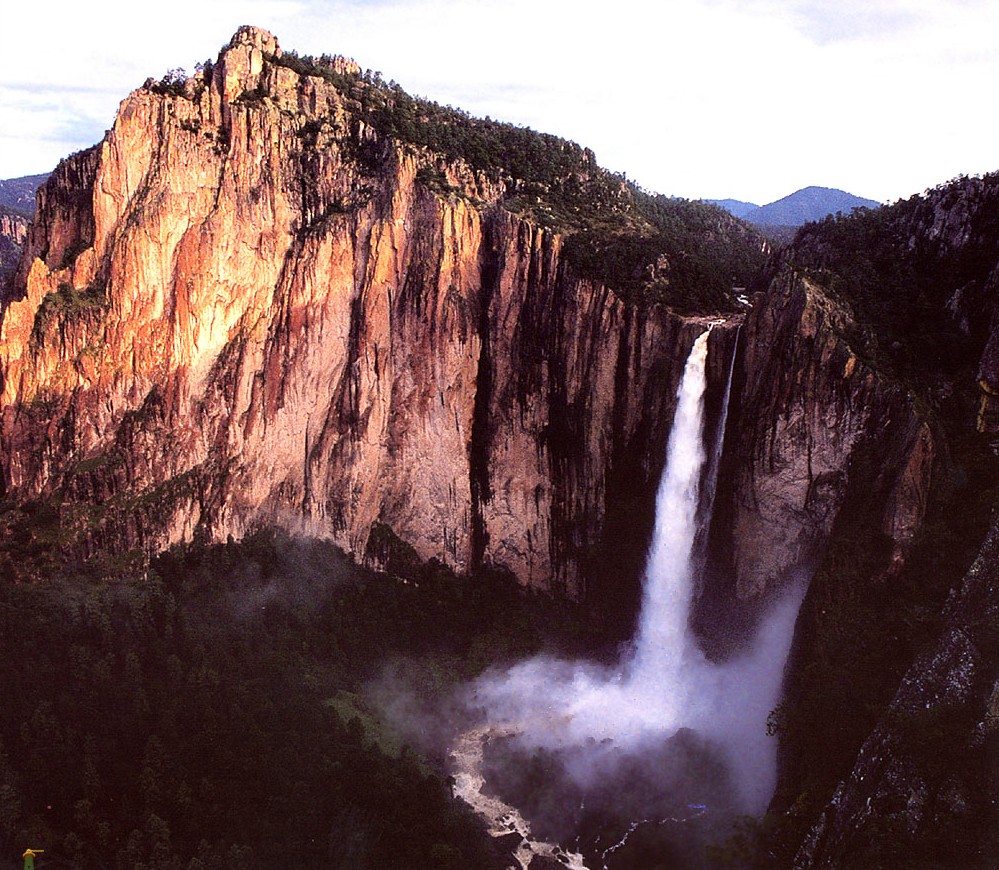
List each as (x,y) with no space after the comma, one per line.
(13,228)
(246,307)
(807,407)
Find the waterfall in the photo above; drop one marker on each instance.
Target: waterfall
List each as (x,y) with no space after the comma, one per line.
(603,715)
(662,630)
(706,508)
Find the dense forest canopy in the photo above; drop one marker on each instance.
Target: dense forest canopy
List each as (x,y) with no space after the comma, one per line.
(213,712)
(907,274)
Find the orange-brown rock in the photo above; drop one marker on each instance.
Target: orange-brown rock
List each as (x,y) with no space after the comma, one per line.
(808,415)
(13,227)
(246,307)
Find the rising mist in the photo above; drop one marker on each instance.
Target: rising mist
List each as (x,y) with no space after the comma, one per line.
(664,718)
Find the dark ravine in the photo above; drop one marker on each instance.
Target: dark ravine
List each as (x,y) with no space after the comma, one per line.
(250,306)
(925,780)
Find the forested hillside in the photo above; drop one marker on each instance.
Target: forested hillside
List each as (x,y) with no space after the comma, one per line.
(217,711)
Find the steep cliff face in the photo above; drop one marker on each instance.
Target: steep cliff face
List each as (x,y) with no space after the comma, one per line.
(251,305)
(924,782)
(817,439)
(246,307)
(885,728)
(272,297)
(13,228)
(806,405)
(13,231)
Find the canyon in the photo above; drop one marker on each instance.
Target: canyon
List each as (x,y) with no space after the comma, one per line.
(203,343)
(263,301)
(13,232)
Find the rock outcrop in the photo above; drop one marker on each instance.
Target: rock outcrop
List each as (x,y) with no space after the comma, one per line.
(924,783)
(884,748)
(806,404)
(247,307)
(13,231)
(14,228)
(816,436)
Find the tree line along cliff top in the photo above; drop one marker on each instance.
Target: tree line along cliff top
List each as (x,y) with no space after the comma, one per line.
(650,247)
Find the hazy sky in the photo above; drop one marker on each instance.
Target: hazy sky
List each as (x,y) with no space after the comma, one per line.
(750,99)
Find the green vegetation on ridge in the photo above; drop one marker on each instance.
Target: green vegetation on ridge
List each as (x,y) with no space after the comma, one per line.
(899,271)
(652,248)
(688,255)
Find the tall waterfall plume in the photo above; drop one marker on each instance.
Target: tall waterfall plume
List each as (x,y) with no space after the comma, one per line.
(663,698)
(662,628)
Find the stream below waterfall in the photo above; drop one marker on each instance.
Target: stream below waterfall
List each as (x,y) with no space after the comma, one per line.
(501,819)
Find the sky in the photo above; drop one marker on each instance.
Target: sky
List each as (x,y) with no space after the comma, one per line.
(742,99)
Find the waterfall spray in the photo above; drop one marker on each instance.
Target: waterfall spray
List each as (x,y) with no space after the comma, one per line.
(603,716)
(710,487)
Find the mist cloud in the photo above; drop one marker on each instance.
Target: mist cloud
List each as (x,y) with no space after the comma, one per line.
(665,733)
(609,715)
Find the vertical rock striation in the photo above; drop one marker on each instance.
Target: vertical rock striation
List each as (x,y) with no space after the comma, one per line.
(806,410)
(246,306)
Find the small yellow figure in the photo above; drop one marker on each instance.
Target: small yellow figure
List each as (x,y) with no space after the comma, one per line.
(29,858)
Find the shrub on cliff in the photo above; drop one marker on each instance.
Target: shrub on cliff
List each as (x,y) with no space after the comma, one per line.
(68,302)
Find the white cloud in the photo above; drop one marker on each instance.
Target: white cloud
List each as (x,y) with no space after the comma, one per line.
(692,97)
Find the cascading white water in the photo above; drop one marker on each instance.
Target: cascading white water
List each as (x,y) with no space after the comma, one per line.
(665,684)
(661,641)
(710,485)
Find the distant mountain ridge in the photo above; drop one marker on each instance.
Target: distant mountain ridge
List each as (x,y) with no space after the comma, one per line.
(798,208)
(736,207)
(18,194)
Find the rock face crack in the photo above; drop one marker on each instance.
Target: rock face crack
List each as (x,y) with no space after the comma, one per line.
(479,443)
